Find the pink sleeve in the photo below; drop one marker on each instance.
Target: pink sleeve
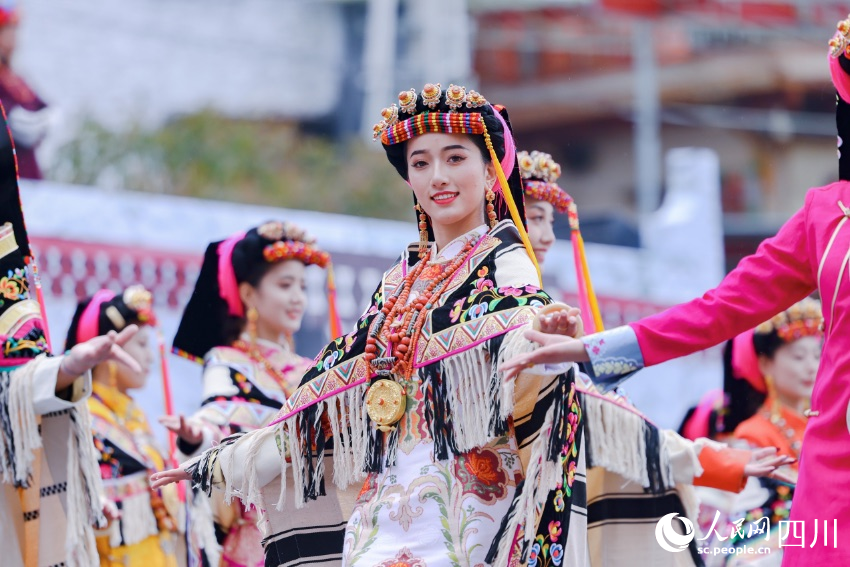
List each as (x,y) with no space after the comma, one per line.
(778,275)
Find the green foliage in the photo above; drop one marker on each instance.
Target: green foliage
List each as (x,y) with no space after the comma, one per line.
(210,156)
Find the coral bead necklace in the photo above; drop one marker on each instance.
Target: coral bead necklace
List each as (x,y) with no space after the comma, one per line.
(401,319)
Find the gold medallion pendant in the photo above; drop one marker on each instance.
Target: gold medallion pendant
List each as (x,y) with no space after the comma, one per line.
(385,404)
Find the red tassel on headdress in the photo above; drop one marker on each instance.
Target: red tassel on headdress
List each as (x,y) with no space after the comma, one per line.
(333,313)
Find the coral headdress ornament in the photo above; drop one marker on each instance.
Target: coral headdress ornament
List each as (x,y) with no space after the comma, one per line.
(540,174)
(457,110)
(232,261)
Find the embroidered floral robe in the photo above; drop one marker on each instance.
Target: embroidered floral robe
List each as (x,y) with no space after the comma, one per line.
(145,534)
(464,478)
(240,395)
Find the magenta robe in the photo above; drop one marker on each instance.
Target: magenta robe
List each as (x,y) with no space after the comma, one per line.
(810,252)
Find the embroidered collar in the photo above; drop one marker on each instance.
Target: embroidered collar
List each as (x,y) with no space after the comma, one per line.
(454,247)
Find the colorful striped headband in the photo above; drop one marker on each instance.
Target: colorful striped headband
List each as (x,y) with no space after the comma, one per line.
(433,122)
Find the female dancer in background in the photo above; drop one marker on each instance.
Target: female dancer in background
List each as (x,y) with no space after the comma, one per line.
(248,303)
(144,534)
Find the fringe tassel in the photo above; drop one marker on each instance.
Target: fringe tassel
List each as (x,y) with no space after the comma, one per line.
(20,435)
(623,442)
(137,521)
(83,508)
(202,526)
(533,496)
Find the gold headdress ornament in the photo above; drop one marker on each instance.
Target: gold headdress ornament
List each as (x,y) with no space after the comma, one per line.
(539,174)
(840,42)
(395,129)
(803,319)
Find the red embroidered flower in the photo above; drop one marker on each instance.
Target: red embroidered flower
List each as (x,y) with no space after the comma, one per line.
(403,559)
(481,472)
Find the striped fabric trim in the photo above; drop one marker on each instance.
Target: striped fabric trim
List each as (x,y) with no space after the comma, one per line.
(290,548)
(636,509)
(440,122)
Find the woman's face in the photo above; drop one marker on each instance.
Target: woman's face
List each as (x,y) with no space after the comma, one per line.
(541,218)
(793,368)
(280,300)
(140,349)
(449,178)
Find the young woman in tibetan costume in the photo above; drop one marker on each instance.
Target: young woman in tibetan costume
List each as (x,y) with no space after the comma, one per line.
(144,533)
(627,456)
(49,482)
(808,253)
(457,464)
(248,303)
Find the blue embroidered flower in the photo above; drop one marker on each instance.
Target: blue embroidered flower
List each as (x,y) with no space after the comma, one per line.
(477,311)
(532,557)
(556,552)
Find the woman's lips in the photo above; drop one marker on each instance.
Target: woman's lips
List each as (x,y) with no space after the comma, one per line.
(444,198)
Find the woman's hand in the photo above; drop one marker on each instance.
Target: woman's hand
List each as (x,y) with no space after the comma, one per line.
(765,461)
(109,509)
(189,431)
(85,356)
(554,349)
(566,321)
(164,478)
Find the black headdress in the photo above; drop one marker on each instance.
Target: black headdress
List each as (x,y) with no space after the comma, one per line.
(215,308)
(106,311)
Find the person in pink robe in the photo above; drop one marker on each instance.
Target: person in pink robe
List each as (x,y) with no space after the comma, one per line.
(809,253)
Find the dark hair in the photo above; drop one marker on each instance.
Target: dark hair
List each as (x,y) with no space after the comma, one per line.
(766,344)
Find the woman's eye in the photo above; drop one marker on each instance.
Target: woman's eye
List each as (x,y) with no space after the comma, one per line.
(456,158)
(535,219)
(418,164)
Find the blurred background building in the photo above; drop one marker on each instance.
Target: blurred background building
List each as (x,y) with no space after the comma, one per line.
(271,103)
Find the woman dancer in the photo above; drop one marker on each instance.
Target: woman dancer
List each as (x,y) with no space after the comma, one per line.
(807,254)
(456,466)
(248,303)
(144,533)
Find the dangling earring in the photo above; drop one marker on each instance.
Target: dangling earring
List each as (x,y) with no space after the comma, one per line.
(491,208)
(252,315)
(112,374)
(775,406)
(423,231)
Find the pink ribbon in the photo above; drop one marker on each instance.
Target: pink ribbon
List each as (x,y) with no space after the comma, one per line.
(87,328)
(509,160)
(745,361)
(228,288)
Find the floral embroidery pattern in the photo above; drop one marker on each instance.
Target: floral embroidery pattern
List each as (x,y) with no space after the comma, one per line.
(14,286)
(481,473)
(487,299)
(545,550)
(403,559)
